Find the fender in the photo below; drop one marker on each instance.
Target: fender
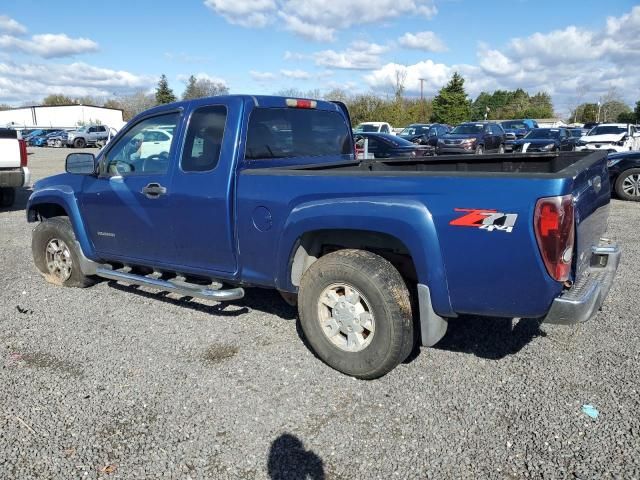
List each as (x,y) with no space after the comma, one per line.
(405,219)
(64,197)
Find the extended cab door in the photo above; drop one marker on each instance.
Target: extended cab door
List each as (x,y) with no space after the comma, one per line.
(202,202)
(125,208)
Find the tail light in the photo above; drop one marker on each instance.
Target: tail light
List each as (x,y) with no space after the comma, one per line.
(23,153)
(301,103)
(554,228)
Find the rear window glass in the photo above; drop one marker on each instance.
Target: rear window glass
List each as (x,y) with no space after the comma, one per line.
(296,132)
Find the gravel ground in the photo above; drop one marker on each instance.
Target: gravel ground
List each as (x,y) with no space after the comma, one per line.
(118,382)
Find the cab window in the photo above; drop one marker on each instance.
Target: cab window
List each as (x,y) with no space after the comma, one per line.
(140,151)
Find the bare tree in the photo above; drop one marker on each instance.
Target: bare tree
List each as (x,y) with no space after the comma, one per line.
(400,78)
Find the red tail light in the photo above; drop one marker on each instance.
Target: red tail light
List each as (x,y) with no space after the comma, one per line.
(23,153)
(554,227)
(300,103)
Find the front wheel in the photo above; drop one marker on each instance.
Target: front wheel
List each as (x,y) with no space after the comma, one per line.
(55,253)
(479,150)
(79,143)
(355,312)
(501,149)
(627,185)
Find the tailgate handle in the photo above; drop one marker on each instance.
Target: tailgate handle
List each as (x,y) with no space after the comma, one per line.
(154,190)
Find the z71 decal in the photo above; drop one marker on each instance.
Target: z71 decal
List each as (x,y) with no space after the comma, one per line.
(489,220)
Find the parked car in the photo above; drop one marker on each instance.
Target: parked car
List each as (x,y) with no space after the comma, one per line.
(30,138)
(87,136)
(515,129)
(373,127)
(14,172)
(473,137)
(265,191)
(424,133)
(611,137)
(58,140)
(624,174)
(384,145)
(42,140)
(546,140)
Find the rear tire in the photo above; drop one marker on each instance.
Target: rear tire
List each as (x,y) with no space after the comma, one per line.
(627,185)
(369,329)
(79,143)
(7,197)
(55,253)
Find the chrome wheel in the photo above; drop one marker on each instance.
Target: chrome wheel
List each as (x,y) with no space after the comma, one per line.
(345,317)
(631,185)
(58,259)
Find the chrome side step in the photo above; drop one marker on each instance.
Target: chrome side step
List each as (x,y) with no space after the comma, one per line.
(189,290)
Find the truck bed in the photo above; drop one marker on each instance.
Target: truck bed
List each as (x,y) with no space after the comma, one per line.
(544,165)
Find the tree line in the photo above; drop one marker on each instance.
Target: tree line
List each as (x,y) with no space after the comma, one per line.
(451,105)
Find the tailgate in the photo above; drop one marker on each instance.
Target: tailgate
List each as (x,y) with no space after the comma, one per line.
(9,153)
(592,194)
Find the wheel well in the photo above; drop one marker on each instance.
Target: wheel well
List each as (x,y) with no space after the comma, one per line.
(46,210)
(313,245)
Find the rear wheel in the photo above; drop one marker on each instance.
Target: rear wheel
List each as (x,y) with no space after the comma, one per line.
(7,196)
(55,253)
(79,143)
(355,312)
(627,185)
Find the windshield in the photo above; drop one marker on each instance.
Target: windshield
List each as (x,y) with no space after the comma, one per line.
(514,125)
(576,132)
(367,127)
(608,130)
(414,130)
(543,133)
(468,128)
(81,129)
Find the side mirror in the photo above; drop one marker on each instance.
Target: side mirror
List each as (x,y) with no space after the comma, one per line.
(80,163)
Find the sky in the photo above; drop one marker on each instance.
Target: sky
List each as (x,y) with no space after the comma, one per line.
(578,51)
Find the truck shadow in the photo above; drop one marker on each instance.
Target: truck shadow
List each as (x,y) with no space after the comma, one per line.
(267,301)
(490,338)
(22,195)
(289,460)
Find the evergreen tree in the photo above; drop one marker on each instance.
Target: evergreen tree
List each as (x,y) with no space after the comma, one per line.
(163,93)
(451,105)
(191,91)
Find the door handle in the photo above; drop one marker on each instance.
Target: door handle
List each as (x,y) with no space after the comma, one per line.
(154,190)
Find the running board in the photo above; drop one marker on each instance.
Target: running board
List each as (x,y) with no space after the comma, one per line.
(189,290)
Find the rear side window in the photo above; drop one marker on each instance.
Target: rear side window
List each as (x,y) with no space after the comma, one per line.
(204,139)
(296,132)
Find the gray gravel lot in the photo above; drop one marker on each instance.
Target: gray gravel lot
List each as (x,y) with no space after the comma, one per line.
(118,382)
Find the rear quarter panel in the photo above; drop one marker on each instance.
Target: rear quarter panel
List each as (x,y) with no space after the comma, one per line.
(469,270)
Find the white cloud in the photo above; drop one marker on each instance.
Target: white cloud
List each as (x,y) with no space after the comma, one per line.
(318,33)
(48,45)
(426,41)
(26,81)
(262,76)
(202,76)
(10,26)
(318,19)
(296,74)
(359,56)
(248,13)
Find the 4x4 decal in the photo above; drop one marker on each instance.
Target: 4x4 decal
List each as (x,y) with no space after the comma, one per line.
(489,220)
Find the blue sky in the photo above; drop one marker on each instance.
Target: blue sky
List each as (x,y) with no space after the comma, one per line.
(575,50)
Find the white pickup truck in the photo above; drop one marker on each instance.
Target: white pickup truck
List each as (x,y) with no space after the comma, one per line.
(13,166)
(612,137)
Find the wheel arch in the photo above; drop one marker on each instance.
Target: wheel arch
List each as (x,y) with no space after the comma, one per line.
(400,230)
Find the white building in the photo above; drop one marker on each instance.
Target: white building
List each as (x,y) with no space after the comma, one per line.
(61,116)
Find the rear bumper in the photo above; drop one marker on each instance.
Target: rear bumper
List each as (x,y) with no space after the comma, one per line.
(15,177)
(583,300)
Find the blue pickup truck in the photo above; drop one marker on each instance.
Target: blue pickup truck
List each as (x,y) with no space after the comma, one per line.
(205,197)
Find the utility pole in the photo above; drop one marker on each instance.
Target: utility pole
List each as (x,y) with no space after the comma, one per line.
(422,99)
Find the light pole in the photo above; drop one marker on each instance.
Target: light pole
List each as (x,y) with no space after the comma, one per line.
(422,99)
(598,117)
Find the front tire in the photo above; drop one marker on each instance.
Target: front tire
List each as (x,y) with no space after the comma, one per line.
(627,185)
(7,197)
(79,143)
(55,253)
(480,150)
(355,312)
(501,149)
